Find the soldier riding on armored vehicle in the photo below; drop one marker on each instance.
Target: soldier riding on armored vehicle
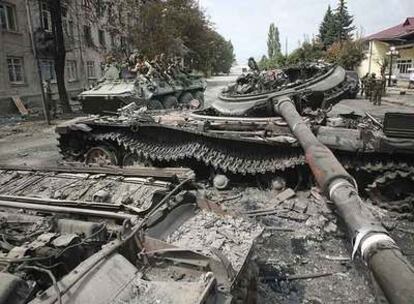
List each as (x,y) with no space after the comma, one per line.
(157,84)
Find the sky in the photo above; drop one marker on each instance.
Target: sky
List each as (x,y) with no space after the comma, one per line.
(246,22)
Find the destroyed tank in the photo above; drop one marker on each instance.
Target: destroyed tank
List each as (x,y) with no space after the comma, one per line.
(259,85)
(114,92)
(104,235)
(247,139)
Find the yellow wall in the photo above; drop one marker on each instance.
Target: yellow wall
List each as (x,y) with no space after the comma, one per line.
(375,54)
(377,51)
(406,53)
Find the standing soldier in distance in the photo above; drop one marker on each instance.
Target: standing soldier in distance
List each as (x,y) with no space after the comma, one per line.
(377,91)
(364,84)
(370,83)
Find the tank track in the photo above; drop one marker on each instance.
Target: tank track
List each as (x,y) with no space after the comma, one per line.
(235,160)
(386,179)
(211,154)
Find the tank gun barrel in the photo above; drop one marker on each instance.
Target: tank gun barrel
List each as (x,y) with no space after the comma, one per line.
(392,271)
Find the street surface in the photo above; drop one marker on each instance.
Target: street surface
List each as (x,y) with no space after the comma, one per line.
(34,143)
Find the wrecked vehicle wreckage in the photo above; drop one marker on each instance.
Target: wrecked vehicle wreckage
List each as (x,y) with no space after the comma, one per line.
(107,235)
(179,242)
(248,139)
(257,84)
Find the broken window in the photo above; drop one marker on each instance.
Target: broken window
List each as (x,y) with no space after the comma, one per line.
(15,69)
(8,17)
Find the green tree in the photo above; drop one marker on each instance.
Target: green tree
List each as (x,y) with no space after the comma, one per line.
(343,21)
(223,55)
(272,63)
(348,54)
(263,63)
(179,27)
(309,51)
(327,29)
(273,41)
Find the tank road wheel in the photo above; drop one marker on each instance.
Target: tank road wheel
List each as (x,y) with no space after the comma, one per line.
(132,159)
(101,155)
(199,95)
(155,104)
(186,98)
(394,191)
(170,102)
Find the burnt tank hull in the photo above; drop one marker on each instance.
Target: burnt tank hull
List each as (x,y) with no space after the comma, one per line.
(243,138)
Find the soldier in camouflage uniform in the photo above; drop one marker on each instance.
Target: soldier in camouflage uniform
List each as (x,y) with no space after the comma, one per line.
(377,91)
(364,84)
(369,86)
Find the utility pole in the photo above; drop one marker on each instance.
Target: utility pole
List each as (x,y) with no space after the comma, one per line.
(39,70)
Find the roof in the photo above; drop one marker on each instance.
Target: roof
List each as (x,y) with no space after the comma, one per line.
(399,31)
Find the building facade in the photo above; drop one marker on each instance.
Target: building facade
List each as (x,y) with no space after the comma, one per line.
(399,38)
(91,31)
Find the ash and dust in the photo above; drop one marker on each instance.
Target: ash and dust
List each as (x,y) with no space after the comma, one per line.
(230,235)
(302,253)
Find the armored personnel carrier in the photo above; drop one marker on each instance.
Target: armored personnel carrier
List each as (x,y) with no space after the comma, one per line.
(247,138)
(114,92)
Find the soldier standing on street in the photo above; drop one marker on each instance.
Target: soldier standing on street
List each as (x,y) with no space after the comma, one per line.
(370,83)
(364,84)
(378,89)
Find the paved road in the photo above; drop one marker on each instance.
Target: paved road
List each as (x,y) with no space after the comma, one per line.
(35,143)
(215,85)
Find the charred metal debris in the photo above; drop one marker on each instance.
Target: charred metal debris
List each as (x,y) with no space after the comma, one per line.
(124,237)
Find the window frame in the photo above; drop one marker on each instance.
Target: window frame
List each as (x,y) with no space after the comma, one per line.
(403,65)
(22,70)
(123,42)
(45,10)
(67,23)
(91,66)
(87,34)
(7,7)
(102,38)
(71,70)
(52,72)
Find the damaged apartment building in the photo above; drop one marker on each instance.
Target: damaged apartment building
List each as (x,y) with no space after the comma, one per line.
(91,29)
